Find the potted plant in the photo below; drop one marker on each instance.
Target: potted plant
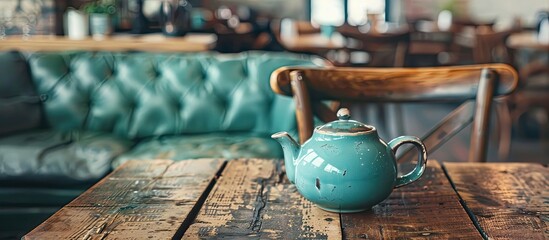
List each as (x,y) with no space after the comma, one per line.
(100,12)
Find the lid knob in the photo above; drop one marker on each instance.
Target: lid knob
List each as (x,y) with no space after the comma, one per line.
(343,114)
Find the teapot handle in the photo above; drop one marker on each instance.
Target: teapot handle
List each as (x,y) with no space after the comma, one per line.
(422,161)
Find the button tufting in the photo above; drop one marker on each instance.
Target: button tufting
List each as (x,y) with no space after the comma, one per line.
(223,102)
(204,73)
(155,72)
(89,102)
(131,105)
(179,106)
(112,71)
(149,97)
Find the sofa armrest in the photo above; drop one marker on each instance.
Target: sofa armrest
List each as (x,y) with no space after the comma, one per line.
(20,106)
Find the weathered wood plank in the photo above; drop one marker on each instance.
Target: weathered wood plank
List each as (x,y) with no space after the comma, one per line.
(428,208)
(253,198)
(141,199)
(509,200)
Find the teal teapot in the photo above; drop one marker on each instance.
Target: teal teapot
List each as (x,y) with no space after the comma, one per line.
(345,167)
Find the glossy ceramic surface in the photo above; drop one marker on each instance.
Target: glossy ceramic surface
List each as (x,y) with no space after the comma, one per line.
(345,166)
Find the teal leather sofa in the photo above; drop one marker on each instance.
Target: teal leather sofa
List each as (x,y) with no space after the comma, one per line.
(68,118)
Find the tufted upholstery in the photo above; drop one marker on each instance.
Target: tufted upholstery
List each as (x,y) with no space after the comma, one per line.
(51,158)
(67,118)
(140,98)
(141,95)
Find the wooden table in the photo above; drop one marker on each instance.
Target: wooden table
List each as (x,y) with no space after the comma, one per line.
(251,198)
(527,40)
(122,42)
(313,42)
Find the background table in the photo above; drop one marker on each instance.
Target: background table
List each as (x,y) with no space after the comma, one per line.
(251,198)
(526,40)
(312,42)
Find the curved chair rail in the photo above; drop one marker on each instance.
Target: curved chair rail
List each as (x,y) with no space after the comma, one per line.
(396,84)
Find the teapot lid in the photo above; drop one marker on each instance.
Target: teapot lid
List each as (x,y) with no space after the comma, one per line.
(345,126)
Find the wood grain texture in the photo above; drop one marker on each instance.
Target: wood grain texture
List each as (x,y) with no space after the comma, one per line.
(253,199)
(509,200)
(147,43)
(428,208)
(395,84)
(141,199)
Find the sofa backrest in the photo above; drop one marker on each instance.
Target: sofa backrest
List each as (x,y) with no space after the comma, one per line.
(136,95)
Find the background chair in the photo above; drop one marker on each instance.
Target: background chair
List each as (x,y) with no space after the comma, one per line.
(429,45)
(385,49)
(532,94)
(311,86)
(490,47)
(386,45)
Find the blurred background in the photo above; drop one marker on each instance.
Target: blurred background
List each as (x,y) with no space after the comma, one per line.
(347,33)
(378,33)
(47,15)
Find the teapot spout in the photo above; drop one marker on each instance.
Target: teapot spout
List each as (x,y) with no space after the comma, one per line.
(291,152)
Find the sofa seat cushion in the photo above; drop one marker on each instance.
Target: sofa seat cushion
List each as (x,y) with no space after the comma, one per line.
(49,158)
(218,145)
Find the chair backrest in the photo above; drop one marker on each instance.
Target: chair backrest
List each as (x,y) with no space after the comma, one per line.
(490,47)
(532,90)
(392,45)
(310,86)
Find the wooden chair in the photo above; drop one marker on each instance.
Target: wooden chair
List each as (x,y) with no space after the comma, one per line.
(430,46)
(388,49)
(490,47)
(476,85)
(528,97)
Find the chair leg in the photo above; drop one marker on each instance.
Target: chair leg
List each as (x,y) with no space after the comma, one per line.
(504,126)
(542,117)
(396,124)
